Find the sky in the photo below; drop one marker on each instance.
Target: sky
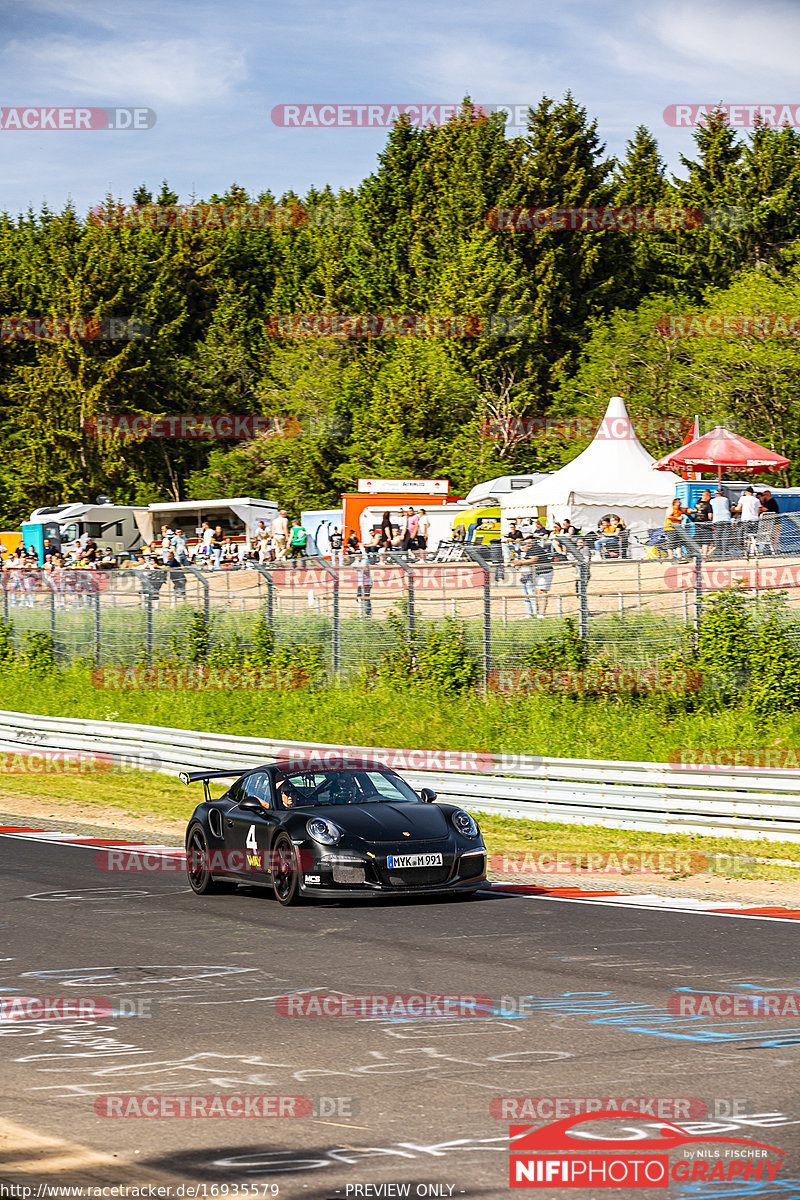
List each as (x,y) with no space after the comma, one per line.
(212,73)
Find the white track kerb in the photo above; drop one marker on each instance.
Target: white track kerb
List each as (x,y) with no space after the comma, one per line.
(738,801)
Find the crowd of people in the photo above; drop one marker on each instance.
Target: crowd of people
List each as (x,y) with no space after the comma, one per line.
(753,526)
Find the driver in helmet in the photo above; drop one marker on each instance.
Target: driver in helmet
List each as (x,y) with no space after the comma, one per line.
(290,796)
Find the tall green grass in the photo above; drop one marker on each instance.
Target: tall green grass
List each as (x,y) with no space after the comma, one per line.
(539,724)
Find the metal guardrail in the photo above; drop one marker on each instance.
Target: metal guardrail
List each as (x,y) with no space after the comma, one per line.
(740,802)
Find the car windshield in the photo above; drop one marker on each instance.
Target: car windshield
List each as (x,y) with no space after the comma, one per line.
(342,787)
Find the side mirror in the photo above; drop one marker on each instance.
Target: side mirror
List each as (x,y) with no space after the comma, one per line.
(250,804)
(427,794)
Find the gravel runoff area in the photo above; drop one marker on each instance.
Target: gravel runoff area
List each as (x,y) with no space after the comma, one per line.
(94,820)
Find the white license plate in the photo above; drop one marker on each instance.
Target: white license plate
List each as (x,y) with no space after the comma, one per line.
(414,860)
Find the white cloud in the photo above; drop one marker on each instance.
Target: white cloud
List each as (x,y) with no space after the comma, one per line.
(756,39)
(178,71)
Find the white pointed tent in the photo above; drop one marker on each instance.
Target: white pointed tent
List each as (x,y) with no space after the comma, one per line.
(614,474)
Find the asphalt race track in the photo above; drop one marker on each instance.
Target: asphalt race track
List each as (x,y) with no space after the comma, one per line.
(394,1100)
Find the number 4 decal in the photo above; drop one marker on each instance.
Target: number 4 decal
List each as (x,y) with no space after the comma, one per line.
(250,840)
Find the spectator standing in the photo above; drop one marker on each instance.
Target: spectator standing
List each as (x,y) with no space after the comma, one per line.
(298,537)
(206,543)
(423,529)
(674,520)
(180,548)
(412,525)
(721,524)
(771,520)
(217,547)
(387,532)
(336,542)
(535,562)
(701,515)
(403,530)
(280,531)
(177,576)
(167,538)
(747,511)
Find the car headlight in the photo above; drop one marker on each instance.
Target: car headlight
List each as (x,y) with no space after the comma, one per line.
(465,824)
(322,830)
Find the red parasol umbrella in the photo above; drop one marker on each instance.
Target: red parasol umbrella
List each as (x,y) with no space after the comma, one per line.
(720,450)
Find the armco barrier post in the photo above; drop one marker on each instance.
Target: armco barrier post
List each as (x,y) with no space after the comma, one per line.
(583,586)
(487,612)
(409,573)
(334,574)
(696,553)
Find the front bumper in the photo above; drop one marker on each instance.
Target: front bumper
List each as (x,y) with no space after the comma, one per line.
(364,875)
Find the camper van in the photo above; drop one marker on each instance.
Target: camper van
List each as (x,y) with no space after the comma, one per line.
(112,526)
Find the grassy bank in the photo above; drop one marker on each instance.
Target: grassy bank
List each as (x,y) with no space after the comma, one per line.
(555,726)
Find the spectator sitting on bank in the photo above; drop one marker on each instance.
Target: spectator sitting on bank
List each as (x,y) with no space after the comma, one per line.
(554,538)
(512,540)
(353,544)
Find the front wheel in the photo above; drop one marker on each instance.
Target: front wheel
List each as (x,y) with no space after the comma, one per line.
(285,875)
(198,864)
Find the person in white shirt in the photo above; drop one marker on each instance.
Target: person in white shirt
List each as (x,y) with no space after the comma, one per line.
(280,531)
(180,548)
(721,524)
(747,511)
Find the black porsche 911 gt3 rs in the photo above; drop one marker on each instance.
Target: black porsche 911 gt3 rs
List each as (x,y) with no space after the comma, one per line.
(307,830)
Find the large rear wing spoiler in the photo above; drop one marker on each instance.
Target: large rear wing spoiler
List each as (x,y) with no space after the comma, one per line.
(198,776)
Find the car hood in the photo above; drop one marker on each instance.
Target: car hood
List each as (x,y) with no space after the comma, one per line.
(387,822)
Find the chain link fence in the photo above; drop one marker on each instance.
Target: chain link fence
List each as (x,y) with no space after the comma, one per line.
(634,611)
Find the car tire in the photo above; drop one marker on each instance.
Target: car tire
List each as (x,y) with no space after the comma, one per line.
(200,878)
(285,872)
